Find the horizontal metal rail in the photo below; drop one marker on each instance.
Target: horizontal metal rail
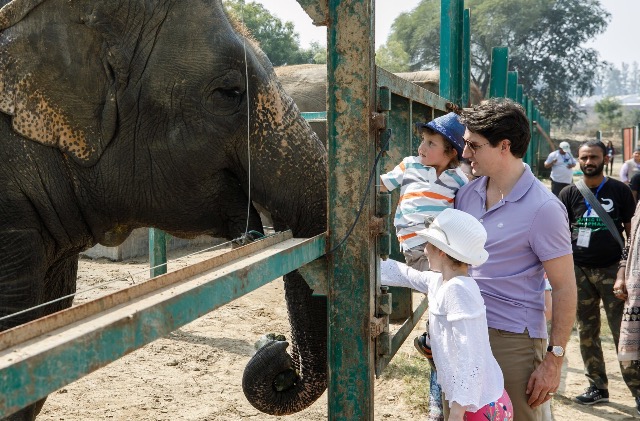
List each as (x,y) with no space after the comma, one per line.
(404,88)
(40,357)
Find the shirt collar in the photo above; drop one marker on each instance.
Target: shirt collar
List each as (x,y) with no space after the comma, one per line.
(523,184)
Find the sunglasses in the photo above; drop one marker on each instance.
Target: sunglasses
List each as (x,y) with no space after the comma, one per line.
(473,147)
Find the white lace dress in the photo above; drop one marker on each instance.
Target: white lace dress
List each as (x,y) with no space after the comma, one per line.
(467,371)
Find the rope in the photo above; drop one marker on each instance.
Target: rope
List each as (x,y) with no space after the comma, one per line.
(145,270)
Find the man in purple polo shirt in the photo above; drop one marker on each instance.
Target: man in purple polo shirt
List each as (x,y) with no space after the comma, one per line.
(528,234)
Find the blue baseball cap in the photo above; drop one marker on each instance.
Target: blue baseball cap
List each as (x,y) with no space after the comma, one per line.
(450,128)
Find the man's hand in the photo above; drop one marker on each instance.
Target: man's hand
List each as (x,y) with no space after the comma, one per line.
(544,381)
(619,289)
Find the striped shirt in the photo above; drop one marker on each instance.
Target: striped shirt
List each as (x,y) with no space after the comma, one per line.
(422,193)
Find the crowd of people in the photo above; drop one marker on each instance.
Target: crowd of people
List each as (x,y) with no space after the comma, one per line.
(487,245)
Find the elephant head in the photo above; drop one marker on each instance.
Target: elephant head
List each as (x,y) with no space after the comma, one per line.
(122,114)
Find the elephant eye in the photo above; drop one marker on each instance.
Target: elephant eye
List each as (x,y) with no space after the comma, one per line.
(224,101)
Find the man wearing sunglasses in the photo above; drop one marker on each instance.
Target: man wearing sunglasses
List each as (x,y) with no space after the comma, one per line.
(528,235)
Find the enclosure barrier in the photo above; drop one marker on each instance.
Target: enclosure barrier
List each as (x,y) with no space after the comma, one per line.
(38,358)
(369,111)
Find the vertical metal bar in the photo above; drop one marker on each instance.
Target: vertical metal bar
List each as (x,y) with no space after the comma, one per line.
(512,85)
(451,49)
(351,148)
(157,252)
(529,109)
(519,95)
(466,59)
(499,68)
(535,139)
(400,121)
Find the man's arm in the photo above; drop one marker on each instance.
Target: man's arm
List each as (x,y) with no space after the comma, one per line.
(549,162)
(623,173)
(564,297)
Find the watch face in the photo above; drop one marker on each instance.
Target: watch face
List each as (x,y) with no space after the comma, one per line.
(557,350)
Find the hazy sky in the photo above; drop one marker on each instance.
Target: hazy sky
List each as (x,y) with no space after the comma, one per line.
(617,44)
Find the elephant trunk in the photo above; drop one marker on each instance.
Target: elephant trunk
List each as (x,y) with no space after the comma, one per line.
(277,383)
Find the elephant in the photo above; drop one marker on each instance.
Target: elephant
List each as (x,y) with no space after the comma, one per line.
(147,113)
(307,85)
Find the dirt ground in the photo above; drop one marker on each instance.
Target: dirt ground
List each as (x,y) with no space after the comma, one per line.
(195,373)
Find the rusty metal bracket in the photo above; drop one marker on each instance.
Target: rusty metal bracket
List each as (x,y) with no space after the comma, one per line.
(315,274)
(378,324)
(379,121)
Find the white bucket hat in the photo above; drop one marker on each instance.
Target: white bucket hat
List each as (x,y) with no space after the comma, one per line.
(458,234)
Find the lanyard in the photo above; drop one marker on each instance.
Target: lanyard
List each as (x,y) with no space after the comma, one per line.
(596,195)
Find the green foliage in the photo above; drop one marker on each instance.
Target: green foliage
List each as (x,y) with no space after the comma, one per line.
(545,40)
(392,57)
(631,117)
(278,39)
(609,112)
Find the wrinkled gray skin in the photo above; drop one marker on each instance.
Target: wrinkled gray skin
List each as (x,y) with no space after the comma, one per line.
(122,114)
(307,85)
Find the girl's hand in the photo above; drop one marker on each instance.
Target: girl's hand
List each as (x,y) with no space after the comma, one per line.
(457,412)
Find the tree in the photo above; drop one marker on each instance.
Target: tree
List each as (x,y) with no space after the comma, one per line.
(545,40)
(392,57)
(609,112)
(277,39)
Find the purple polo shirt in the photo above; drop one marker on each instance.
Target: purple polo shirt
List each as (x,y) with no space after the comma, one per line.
(526,228)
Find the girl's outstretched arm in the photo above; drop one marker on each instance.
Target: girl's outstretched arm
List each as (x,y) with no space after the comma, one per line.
(397,274)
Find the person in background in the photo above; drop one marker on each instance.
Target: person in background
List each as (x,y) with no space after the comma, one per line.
(630,167)
(561,163)
(634,185)
(611,152)
(596,257)
(629,290)
(458,335)
(528,235)
(428,184)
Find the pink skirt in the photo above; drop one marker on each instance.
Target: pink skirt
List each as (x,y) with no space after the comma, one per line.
(500,410)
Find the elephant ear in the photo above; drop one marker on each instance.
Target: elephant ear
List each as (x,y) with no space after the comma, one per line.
(56,80)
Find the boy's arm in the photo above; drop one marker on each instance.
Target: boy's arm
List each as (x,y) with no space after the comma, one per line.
(383,188)
(393,178)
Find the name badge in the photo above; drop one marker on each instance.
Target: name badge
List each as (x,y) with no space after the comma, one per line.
(584,236)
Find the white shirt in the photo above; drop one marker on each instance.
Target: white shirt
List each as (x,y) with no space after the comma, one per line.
(560,173)
(467,370)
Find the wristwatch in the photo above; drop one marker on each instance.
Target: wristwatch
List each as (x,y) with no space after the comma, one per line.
(556,350)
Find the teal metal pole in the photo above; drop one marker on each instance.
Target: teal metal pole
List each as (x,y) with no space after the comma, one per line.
(499,67)
(451,50)
(512,85)
(351,154)
(466,58)
(535,139)
(520,95)
(157,252)
(529,110)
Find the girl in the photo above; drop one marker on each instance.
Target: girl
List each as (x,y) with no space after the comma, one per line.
(469,375)
(428,184)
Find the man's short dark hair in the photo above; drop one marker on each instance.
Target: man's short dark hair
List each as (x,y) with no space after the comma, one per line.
(498,119)
(594,143)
